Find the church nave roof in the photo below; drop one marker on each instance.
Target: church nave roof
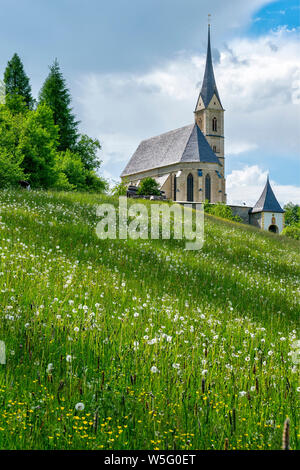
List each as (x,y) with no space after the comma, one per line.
(186,144)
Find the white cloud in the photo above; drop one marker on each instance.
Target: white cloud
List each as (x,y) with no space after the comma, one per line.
(258,81)
(246,186)
(235,147)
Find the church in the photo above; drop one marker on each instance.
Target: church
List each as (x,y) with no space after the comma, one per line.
(189,163)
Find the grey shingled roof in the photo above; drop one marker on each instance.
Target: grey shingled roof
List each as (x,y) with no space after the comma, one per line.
(209,86)
(186,144)
(267,201)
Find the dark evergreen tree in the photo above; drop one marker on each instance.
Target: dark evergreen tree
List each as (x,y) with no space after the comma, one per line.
(56,95)
(17,82)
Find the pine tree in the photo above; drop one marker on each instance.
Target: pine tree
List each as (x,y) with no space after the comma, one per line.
(17,82)
(56,95)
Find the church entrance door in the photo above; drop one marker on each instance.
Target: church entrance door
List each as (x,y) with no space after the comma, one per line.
(273,228)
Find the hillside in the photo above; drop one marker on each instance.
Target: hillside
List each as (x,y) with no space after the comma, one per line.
(166,349)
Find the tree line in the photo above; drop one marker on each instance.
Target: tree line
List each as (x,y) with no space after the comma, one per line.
(292,221)
(39,139)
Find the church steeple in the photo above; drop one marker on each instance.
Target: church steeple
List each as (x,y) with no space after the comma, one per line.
(209,116)
(209,87)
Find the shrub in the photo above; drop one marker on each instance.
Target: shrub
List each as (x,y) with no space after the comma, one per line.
(291,232)
(120,189)
(221,210)
(62,183)
(148,187)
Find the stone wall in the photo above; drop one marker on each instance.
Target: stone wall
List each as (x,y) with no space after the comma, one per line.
(256,219)
(242,212)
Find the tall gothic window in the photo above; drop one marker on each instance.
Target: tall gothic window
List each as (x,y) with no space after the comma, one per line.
(214,124)
(175,187)
(208,188)
(190,188)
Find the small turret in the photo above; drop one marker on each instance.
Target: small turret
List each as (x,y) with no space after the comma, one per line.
(267,212)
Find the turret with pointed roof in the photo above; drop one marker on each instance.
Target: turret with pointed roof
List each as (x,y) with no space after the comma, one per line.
(267,201)
(267,213)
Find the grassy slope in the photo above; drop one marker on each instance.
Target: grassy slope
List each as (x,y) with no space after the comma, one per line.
(218,324)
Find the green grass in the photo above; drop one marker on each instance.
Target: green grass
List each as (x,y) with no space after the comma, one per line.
(219,325)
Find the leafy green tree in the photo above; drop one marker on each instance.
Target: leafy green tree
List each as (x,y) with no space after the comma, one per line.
(292,214)
(62,183)
(38,144)
(95,183)
(72,167)
(148,187)
(10,129)
(72,174)
(87,148)
(10,170)
(17,82)
(10,158)
(291,231)
(56,95)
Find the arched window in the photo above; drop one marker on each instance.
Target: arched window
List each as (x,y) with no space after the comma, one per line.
(200,123)
(208,188)
(214,124)
(214,148)
(175,187)
(190,188)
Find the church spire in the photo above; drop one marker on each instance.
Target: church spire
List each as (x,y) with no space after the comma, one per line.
(209,87)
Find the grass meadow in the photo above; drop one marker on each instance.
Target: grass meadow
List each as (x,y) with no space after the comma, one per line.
(140,344)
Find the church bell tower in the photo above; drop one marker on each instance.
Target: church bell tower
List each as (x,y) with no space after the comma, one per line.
(209,113)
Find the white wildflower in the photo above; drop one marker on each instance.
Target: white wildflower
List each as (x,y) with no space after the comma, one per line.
(79,407)
(50,368)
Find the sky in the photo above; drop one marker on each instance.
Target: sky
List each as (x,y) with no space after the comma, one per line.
(135,68)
